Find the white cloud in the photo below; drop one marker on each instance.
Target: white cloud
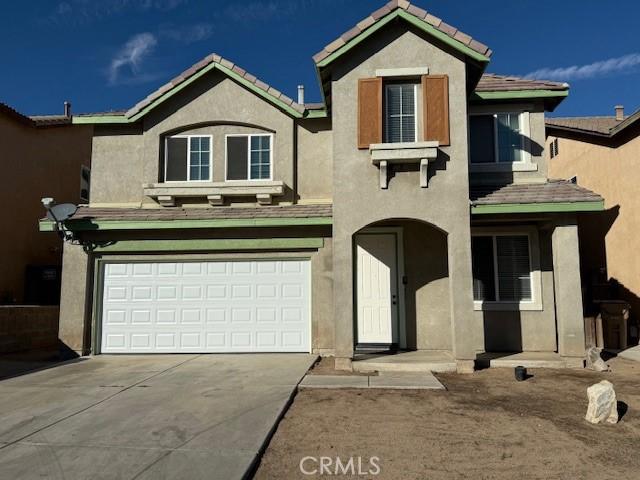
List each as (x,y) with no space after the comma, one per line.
(85,11)
(596,69)
(252,11)
(189,33)
(125,66)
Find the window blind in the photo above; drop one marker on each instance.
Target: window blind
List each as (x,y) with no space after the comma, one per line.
(514,269)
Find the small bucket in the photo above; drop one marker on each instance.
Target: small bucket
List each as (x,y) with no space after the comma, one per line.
(521,373)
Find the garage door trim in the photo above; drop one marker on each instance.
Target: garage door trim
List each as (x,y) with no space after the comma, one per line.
(99,276)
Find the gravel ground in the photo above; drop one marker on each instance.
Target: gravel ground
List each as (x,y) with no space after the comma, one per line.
(485,426)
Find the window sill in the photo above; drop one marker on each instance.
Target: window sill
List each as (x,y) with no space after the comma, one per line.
(503,167)
(507,306)
(215,192)
(383,154)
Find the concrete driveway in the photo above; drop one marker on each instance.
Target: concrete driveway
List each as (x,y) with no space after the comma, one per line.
(145,417)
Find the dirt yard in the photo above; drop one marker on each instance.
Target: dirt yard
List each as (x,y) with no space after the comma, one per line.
(485,426)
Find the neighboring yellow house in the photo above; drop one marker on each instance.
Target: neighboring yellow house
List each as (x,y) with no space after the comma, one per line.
(603,154)
(43,156)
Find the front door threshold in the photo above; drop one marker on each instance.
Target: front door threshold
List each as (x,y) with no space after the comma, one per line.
(379,348)
(406,361)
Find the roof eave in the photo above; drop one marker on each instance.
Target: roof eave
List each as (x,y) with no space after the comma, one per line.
(543,207)
(134,115)
(551,98)
(579,131)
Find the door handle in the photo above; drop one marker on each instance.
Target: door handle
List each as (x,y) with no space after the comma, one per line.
(393,299)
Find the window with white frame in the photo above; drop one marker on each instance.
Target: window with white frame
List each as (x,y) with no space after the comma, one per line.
(187,158)
(400,113)
(498,137)
(249,157)
(502,268)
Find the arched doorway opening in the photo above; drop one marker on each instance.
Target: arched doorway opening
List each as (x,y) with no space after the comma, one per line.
(401,287)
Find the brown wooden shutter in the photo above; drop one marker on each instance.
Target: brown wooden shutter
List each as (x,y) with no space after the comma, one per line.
(369,111)
(435,98)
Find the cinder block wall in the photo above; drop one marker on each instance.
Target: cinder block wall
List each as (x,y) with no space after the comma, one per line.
(28,327)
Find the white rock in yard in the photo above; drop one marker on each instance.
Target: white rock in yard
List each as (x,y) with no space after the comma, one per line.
(603,406)
(594,361)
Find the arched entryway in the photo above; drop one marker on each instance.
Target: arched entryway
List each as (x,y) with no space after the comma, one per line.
(401,287)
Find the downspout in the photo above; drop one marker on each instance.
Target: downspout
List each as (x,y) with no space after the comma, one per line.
(295,147)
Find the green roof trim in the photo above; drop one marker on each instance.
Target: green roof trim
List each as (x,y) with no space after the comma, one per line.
(90,225)
(111,119)
(213,65)
(549,207)
(218,244)
(421,24)
(517,94)
(317,113)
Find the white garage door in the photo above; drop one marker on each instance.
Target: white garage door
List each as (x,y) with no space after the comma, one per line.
(221,306)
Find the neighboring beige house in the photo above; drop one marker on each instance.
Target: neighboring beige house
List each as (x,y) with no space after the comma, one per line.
(39,156)
(603,154)
(410,210)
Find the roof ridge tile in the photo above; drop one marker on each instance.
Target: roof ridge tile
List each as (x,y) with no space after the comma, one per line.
(411,9)
(205,62)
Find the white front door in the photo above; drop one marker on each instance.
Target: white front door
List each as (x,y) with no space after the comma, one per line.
(377,287)
(206,306)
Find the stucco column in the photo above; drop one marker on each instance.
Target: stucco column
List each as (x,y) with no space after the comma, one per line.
(466,332)
(73,331)
(568,292)
(343,299)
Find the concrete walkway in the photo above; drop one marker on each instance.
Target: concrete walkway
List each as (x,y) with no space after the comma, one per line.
(385,380)
(145,417)
(632,353)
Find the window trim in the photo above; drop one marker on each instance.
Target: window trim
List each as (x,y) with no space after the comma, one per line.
(249,135)
(535,304)
(525,164)
(188,137)
(386,110)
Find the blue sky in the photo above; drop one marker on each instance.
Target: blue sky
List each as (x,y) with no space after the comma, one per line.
(109,54)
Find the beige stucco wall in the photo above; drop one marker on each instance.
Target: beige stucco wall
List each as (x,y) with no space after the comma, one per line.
(359,201)
(117,166)
(428,312)
(35,163)
(614,173)
(315,160)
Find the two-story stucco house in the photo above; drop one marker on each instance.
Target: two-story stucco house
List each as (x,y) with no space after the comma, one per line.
(410,210)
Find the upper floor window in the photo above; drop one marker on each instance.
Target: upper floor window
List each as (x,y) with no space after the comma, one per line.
(249,157)
(188,158)
(497,138)
(400,112)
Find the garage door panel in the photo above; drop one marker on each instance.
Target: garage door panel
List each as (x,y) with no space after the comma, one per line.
(221,306)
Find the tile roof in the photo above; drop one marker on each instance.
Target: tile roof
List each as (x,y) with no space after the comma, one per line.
(417,12)
(553,191)
(50,120)
(101,114)
(606,126)
(588,124)
(491,82)
(213,213)
(14,114)
(34,120)
(205,62)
